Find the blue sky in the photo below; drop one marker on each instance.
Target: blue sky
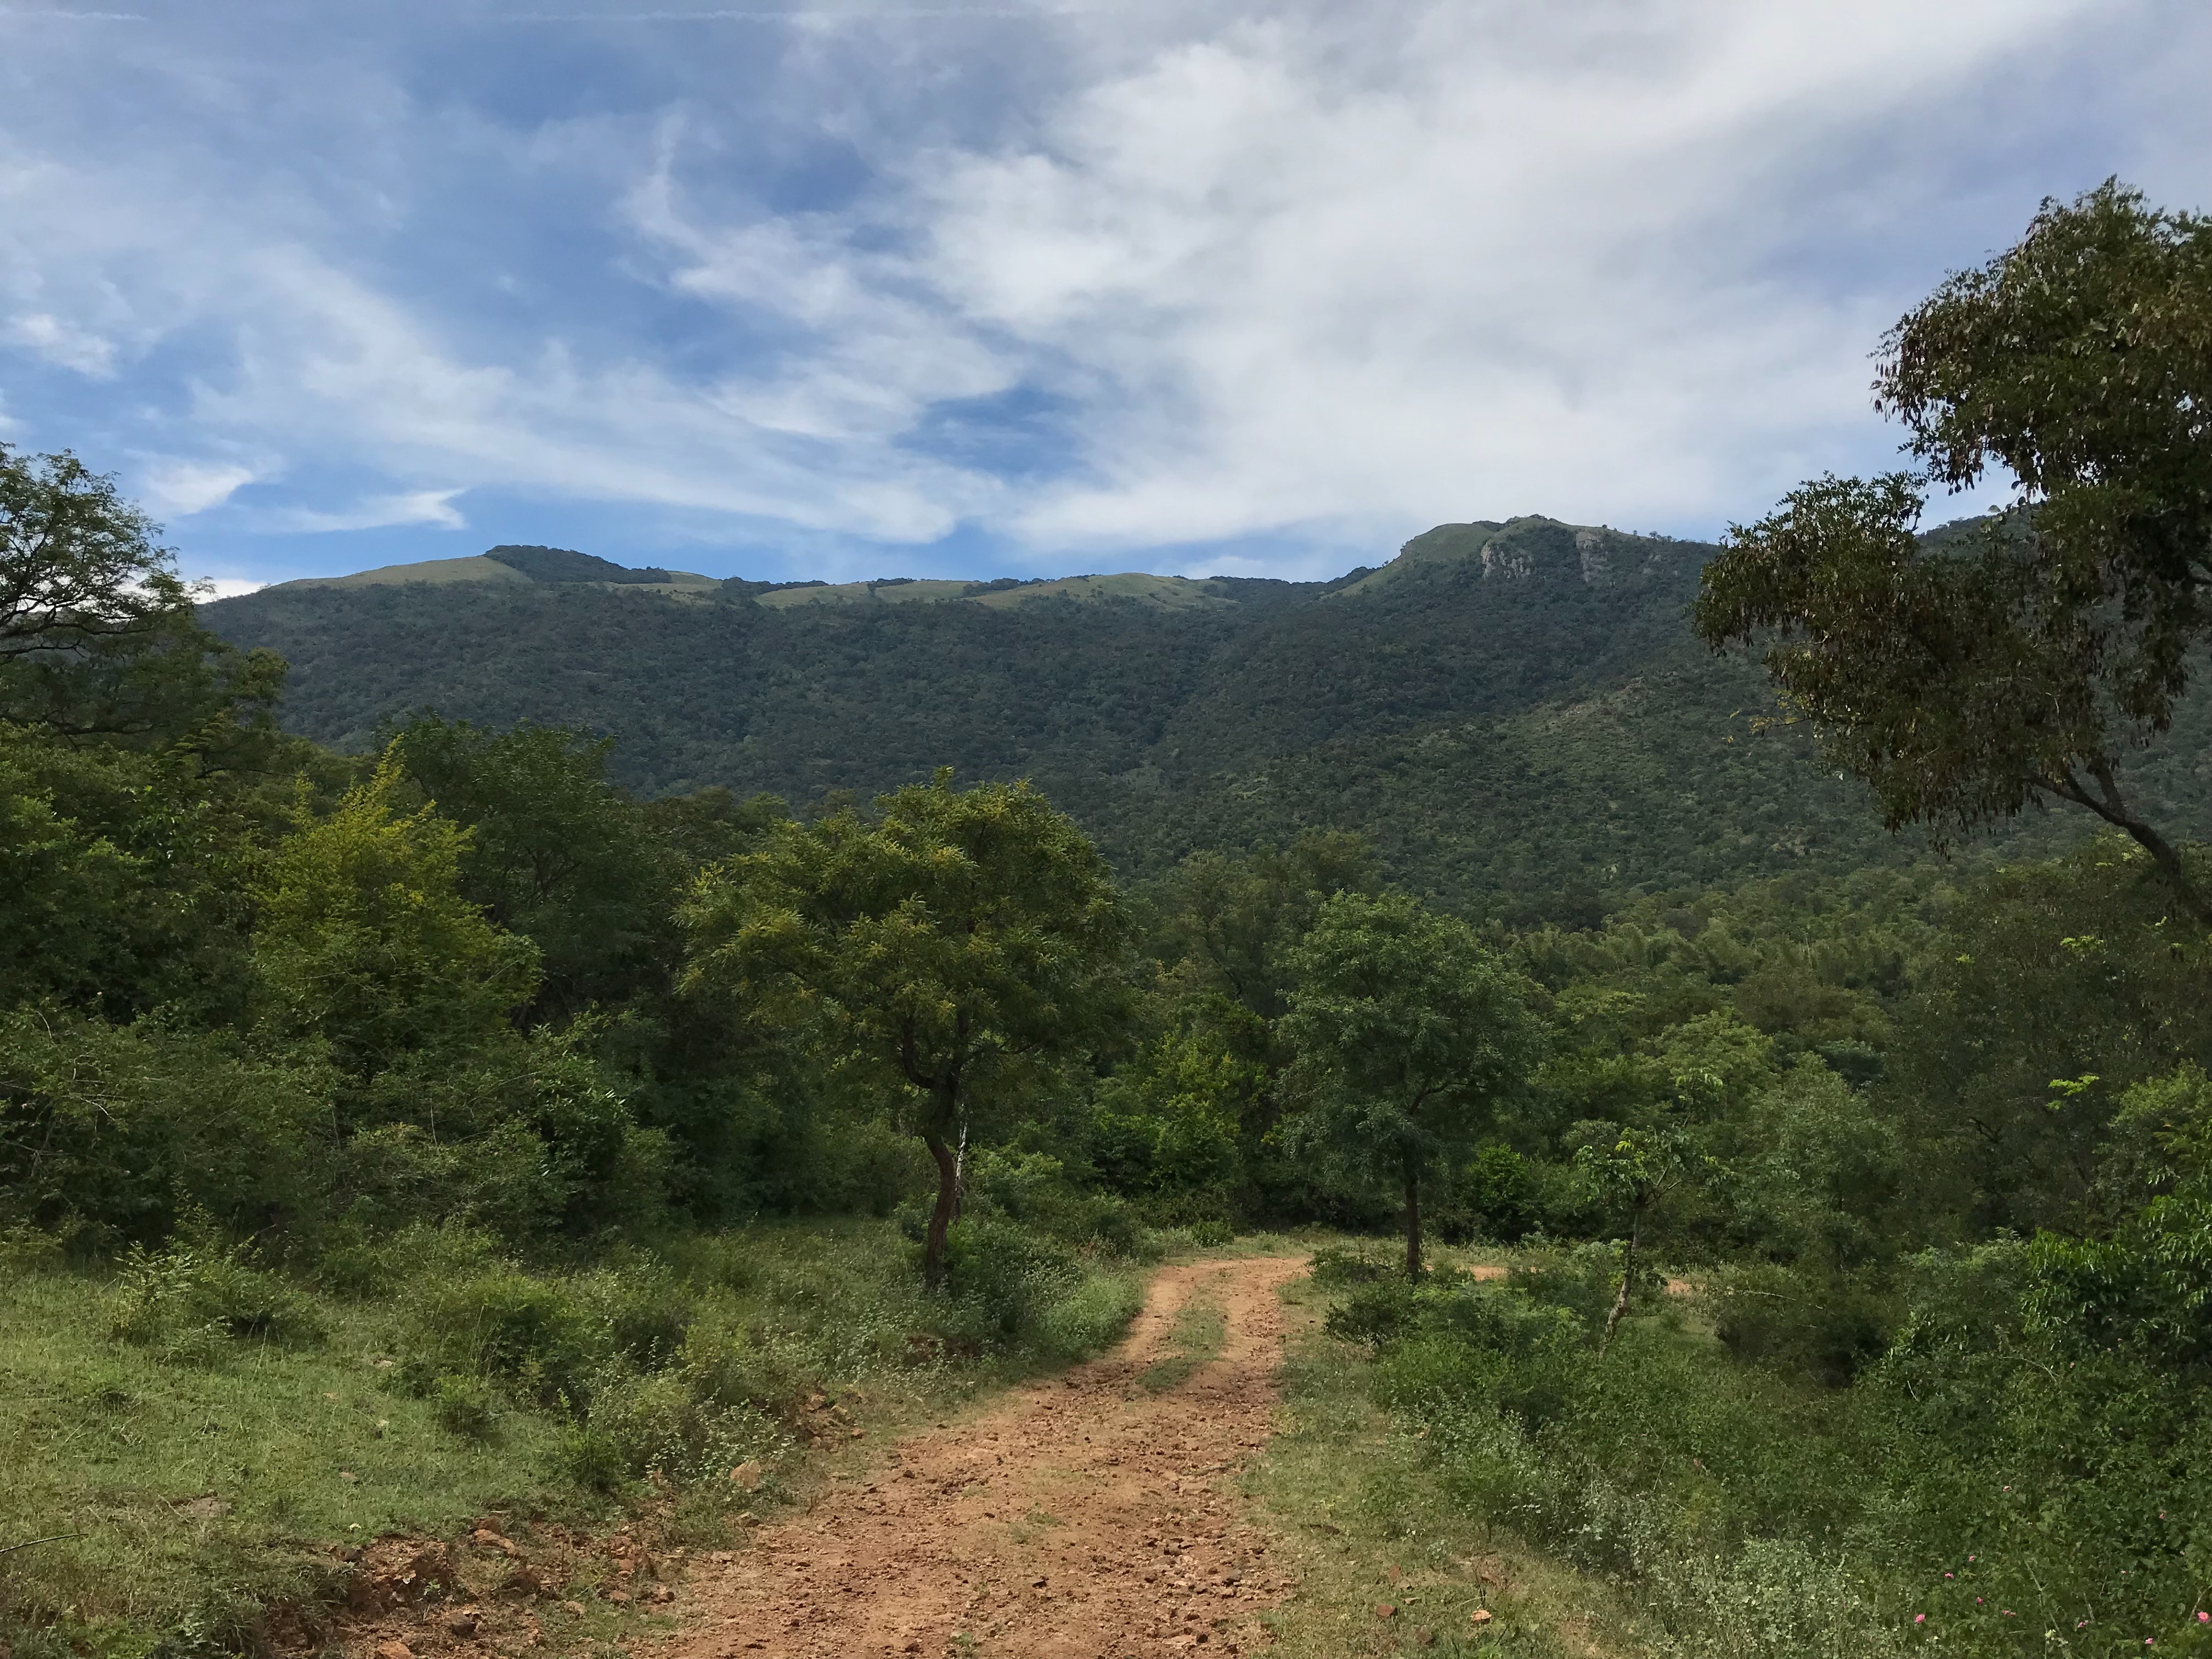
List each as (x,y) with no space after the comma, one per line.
(1012,289)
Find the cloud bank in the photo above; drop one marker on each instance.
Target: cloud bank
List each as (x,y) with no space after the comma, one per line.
(1024,289)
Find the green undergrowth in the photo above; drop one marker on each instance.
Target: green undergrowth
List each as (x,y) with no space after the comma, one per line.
(194,1435)
(1979,1489)
(1372,1524)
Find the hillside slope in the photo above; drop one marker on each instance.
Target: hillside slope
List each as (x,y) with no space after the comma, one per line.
(1509,710)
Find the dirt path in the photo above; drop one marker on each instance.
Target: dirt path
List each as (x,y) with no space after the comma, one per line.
(1082,1518)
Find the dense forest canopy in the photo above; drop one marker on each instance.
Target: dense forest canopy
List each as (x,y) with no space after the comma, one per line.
(1514,715)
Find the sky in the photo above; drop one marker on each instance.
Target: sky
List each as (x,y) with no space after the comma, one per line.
(847,290)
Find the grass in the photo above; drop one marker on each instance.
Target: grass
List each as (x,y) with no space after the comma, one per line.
(1368,1524)
(1201,1327)
(194,1482)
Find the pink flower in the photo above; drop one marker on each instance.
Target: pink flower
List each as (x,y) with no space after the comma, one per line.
(1947,1575)
(2204,1618)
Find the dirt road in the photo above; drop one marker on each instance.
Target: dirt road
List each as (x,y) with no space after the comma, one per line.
(1082,1518)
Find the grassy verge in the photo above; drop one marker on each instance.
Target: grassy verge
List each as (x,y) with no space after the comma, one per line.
(1370,1525)
(197,1439)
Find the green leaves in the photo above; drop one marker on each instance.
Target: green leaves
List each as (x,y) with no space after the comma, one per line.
(956,945)
(1409,1035)
(2027,657)
(366,942)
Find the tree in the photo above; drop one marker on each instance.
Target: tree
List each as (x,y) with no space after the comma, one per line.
(1966,674)
(98,636)
(365,939)
(1631,1178)
(1409,1035)
(554,851)
(957,941)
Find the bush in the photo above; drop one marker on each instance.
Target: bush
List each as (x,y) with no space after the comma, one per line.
(642,1313)
(463,1406)
(501,1325)
(1584,1279)
(188,1298)
(1499,1191)
(115,1132)
(1335,1266)
(1827,1327)
(730,1367)
(1002,1279)
(661,1423)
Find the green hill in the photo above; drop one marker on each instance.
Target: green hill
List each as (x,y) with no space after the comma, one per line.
(1513,712)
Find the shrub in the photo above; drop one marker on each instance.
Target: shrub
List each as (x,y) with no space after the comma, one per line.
(501,1325)
(1583,1280)
(642,1312)
(1334,1266)
(730,1366)
(1498,1188)
(463,1406)
(1002,1279)
(187,1297)
(1827,1327)
(660,1422)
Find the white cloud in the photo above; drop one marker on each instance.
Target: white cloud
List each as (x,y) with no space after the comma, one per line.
(426,506)
(177,489)
(1316,273)
(61,343)
(226,587)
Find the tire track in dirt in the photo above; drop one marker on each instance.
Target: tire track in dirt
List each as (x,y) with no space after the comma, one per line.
(1079,1518)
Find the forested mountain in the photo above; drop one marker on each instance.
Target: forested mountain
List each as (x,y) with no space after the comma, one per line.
(1513,714)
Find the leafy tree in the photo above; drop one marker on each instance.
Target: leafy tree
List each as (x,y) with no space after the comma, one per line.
(1965,676)
(1631,1178)
(1233,918)
(555,851)
(2070,973)
(1409,1035)
(97,633)
(2148,1286)
(366,941)
(958,941)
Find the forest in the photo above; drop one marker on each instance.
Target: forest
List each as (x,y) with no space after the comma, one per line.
(449,1103)
(1514,716)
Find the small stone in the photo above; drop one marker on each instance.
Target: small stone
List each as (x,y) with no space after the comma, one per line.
(620,1598)
(348,1475)
(394,1650)
(576,1608)
(1480,1616)
(1385,1610)
(463,1623)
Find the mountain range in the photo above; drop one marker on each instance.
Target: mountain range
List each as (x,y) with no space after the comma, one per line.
(1515,714)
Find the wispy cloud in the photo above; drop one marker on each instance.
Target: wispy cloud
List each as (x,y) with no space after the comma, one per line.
(1280,283)
(430,507)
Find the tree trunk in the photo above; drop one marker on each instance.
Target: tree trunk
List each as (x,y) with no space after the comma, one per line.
(1412,1225)
(2109,804)
(941,1218)
(1627,1272)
